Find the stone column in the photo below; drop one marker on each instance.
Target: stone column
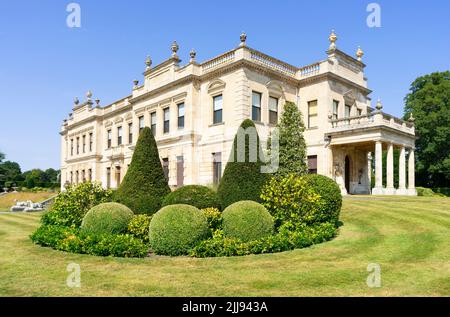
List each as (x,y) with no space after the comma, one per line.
(402,172)
(411,174)
(390,170)
(378,190)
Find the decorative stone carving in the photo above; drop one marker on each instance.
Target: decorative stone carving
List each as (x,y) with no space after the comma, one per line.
(332,38)
(148,62)
(174,48)
(359,53)
(135,83)
(379,106)
(192,54)
(76,101)
(243,38)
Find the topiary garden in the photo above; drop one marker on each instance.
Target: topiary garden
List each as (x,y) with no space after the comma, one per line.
(262,213)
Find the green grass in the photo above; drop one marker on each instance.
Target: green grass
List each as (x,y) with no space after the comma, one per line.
(408,237)
(8,200)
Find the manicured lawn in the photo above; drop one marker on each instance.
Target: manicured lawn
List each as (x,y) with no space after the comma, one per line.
(408,237)
(6,201)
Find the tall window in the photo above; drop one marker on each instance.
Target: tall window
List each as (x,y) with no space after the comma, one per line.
(166,120)
(71,177)
(78,145)
(117,176)
(217,167)
(141,123)
(119,135)
(130,133)
(180,171)
(83,176)
(153,122)
(109,133)
(217,109)
(108,177)
(181,115)
(84,144)
(89,174)
(71,149)
(165,164)
(312,164)
(256,106)
(91,141)
(359,112)
(335,114)
(77,179)
(273,110)
(312,114)
(348,110)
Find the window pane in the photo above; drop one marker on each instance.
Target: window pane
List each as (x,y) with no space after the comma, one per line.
(313,121)
(256,113)
(273,104)
(217,103)
(347,110)
(312,105)
(217,116)
(181,110)
(166,114)
(153,118)
(256,99)
(273,117)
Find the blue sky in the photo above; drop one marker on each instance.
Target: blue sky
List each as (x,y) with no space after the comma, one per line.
(44,64)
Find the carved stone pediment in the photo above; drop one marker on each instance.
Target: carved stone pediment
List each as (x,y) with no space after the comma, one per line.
(350,97)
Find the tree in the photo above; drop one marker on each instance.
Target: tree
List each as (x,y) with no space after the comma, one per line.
(144,186)
(292,145)
(10,173)
(429,103)
(2,156)
(242,178)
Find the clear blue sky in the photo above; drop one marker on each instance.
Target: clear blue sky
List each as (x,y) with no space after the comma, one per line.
(44,64)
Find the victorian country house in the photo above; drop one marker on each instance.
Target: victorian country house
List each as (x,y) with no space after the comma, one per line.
(195,109)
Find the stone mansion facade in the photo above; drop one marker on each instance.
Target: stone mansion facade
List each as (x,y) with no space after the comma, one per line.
(194,111)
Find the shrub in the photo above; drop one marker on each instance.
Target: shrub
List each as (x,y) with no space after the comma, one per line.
(72,240)
(71,205)
(138,227)
(291,199)
(330,196)
(284,240)
(107,218)
(176,228)
(194,195)
(213,217)
(247,221)
(442,190)
(242,178)
(427,192)
(144,185)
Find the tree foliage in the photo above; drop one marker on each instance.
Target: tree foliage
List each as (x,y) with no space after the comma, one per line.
(144,186)
(242,178)
(292,145)
(429,102)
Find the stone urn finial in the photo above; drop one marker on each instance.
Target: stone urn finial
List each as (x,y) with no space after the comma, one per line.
(192,54)
(148,62)
(359,53)
(97,103)
(243,38)
(332,38)
(89,95)
(135,83)
(76,101)
(174,48)
(379,106)
(411,118)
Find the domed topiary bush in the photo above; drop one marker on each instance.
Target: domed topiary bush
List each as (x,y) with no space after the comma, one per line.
(330,196)
(107,218)
(175,229)
(247,220)
(194,195)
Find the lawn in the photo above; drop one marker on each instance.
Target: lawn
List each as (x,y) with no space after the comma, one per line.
(8,200)
(407,236)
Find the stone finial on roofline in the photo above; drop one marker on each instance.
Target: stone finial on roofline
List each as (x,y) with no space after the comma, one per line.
(148,62)
(359,53)
(174,48)
(379,106)
(192,54)
(76,101)
(89,95)
(411,118)
(332,38)
(243,38)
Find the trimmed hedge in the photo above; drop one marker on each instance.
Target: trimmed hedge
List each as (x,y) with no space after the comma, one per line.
(107,218)
(194,195)
(247,221)
(144,185)
(330,196)
(285,240)
(138,227)
(213,217)
(72,240)
(175,229)
(243,180)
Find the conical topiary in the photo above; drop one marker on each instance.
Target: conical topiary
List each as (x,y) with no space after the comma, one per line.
(242,178)
(144,186)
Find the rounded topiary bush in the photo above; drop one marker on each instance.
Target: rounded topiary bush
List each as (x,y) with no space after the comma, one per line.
(194,195)
(247,220)
(330,197)
(107,218)
(175,229)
